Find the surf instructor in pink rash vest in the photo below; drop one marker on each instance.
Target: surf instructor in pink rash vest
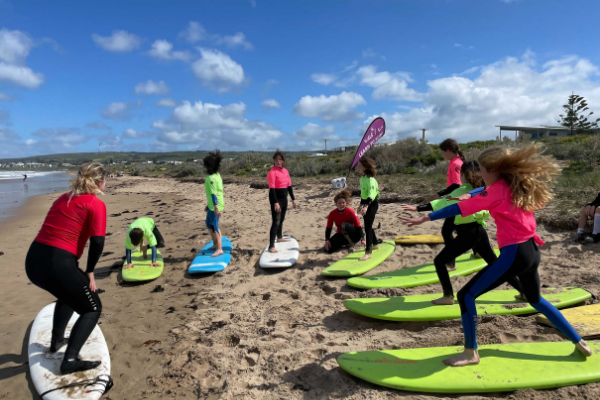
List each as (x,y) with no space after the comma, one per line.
(280,184)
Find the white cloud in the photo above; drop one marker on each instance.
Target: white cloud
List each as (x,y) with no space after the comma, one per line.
(239,39)
(270,104)
(353,65)
(152,87)
(30,142)
(211,125)
(98,125)
(333,108)
(387,85)
(368,53)
(7,135)
(195,32)
(109,140)
(169,103)
(118,110)
(218,70)
(133,134)
(14,49)
(118,42)
(5,97)
(311,136)
(163,50)
(63,139)
(324,79)
(512,92)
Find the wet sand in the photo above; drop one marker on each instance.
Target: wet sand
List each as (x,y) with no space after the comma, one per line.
(245,332)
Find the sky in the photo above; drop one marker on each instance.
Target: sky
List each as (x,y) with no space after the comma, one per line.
(149,75)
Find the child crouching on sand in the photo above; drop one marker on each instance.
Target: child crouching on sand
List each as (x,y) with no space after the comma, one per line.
(349,231)
(213,186)
(143,228)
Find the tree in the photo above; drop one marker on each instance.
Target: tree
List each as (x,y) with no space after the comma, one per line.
(575,118)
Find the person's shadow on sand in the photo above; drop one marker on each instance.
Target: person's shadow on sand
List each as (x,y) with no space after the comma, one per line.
(9,372)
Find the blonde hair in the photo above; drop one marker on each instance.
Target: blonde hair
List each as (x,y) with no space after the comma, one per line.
(88,177)
(526,170)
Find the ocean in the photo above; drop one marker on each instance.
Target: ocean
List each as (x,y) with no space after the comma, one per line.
(14,191)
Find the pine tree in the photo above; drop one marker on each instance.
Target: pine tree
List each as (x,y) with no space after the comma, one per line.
(575,118)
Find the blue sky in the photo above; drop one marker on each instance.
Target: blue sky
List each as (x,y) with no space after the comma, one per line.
(237,75)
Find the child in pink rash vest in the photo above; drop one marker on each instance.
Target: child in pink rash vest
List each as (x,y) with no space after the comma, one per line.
(280,185)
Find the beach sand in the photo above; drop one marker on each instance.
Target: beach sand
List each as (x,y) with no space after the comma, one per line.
(245,332)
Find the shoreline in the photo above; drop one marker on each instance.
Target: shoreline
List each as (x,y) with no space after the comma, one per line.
(246,332)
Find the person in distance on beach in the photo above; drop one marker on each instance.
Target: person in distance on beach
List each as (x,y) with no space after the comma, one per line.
(280,184)
(140,229)
(25,175)
(470,232)
(517,183)
(451,152)
(369,202)
(589,211)
(349,232)
(213,186)
(52,262)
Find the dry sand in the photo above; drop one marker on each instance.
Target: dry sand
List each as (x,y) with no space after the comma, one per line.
(248,333)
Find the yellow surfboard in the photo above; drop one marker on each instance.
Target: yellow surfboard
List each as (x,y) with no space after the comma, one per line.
(585,320)
(419,239)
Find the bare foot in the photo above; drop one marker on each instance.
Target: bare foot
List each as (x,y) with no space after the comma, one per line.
(520,296)
(443,301)
(283,240)
(273,250)
(467,357)
(365,257)
(217,253)
(450,267)
(583,348)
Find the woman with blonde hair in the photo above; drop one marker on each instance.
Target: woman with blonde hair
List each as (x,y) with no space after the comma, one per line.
(52,262)
(517,185)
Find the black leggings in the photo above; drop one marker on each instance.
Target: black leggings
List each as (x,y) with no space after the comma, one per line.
(277,218)
(469,236)
(57,271)
(369,219)
(447,234)
(160,241)
(520,260)
(340,240)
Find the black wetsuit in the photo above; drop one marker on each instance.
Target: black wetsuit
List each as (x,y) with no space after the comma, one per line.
(278,196)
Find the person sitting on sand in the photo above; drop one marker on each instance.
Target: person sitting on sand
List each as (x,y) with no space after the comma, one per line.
(369,202)
(280,184)
(143,228)
(213,186)
(470,233)
(349,231)
(589,211)
(517,183)
(52,263)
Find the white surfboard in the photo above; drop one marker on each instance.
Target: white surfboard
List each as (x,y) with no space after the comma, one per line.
(286,256)
(45,366)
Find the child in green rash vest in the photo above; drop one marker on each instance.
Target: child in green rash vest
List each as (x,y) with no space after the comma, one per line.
(369,202)
(469,232)
(213,186)
(143,228)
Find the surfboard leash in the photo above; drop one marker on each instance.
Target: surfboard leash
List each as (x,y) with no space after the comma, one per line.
(103,379)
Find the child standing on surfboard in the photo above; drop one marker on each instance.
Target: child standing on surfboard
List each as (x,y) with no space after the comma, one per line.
(470,232)
(213,186)
(143,228)
(280,184)
(349,231)
(517,183)
(369,202)
(451,152)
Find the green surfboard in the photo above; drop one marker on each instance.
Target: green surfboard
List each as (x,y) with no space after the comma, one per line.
(503,367)
(420,308)
(142,270)
(351,266)
(418,276)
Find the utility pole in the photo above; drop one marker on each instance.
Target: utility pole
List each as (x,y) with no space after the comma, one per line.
(326,140)
(424,129)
